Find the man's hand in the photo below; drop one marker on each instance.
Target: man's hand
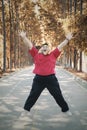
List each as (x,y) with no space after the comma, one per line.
(69,36)
(25,39)
(22,34)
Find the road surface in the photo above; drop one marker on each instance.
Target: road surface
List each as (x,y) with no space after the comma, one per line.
(46,114)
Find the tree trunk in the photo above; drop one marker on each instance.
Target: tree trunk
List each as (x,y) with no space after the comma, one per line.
(70,7)
(17,38)
(70,58)
(75,62)
(75,6)
(81,6)
(11,40)
(4,37)
(80,68)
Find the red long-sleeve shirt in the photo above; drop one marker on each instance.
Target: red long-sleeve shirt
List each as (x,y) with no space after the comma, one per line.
(44,64)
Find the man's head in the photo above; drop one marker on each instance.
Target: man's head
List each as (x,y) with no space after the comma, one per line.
(45,49)
(45,44)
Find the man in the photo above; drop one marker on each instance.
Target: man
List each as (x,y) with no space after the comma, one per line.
(44,70)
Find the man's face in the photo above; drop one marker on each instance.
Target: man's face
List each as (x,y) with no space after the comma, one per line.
(45,49)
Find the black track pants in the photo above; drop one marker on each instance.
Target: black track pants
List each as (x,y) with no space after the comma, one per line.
(39,84)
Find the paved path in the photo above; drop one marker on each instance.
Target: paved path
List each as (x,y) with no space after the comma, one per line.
(45,115)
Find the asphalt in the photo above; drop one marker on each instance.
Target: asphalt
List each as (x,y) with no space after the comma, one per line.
(46,114)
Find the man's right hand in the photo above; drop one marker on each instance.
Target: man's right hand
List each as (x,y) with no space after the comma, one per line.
(22,34)
(25,39)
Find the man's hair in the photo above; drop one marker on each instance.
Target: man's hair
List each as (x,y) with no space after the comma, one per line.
(44,44)
(38,47)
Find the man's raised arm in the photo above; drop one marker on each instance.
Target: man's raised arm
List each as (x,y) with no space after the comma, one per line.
(26,40)
(68,37)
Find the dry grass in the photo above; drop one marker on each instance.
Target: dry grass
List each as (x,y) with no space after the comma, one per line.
(82,75)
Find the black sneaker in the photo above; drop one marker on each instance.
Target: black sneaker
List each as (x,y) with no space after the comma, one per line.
(27,109)
(65,110)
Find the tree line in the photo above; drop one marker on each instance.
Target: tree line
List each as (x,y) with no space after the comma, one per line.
(43,21)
